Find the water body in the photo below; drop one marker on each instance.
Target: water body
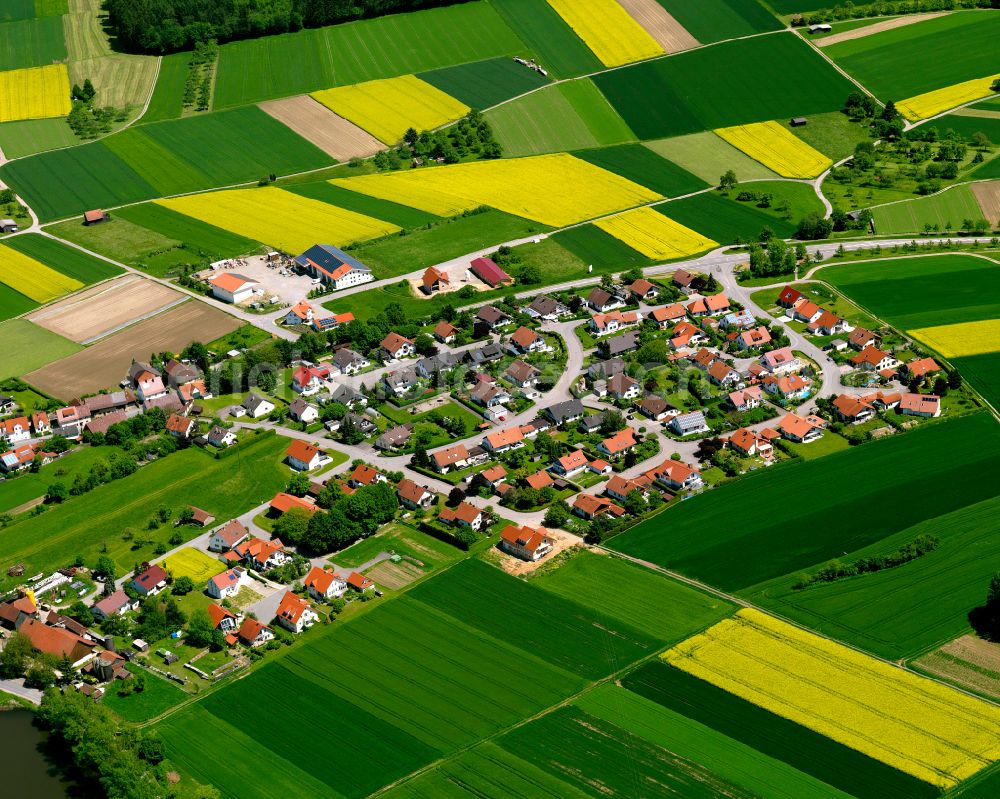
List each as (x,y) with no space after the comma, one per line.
(23,764)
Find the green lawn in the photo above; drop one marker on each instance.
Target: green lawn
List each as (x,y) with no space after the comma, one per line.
(833,134)
(84,525)
(700,538)
(29,347)
(31,43)
(158,696)
(827,445)
(401,539)
(26,487)
(30,136)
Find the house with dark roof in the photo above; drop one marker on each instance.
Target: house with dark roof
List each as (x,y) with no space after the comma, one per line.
(333,266)
(149,581)
(568,411)
(603,301)
(547,308)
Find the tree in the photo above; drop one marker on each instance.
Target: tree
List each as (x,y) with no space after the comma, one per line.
(635,503)
(954,380)
(14,656)
(182,586)
(57,493)
(106,568)
(728,180)
(200,628)
(298,484)
(612,423)
(292,526)
(941,386)
(993,593)
(455,496)
(81,612)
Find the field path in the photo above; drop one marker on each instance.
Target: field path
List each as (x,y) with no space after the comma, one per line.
(878,27)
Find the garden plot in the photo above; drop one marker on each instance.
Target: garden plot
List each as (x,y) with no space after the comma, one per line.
(969,661)
(315,123)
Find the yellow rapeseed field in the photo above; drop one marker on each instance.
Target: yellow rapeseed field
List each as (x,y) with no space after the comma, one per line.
(280,218)
(963,338)
(34,93)
(777,148)
(33,279)
(193,563)
(555,190)
(386,108)
(931,103)
(608,30)
(918,726)
(655,235)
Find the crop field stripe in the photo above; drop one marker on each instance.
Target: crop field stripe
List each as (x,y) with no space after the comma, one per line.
(964,451)
(559,50)
(13,303)
(405,217)
(837,765)
(777,149)
(295,222)
(166,171)
(779,76)
(483,84)
(655,235)
(608,30)
(28,346)
(714,20)
(31,43)
(685,738)
(193,233)
(932,103)
(708,157)
(318,58)
(58,256)
(947,210)
(962,338)
(32,278)
(911,723)
(30,136)
(604,123)
(723,219)
(557,630)
(167,101)
(983,372)
(14,10)
(919,58)
(34,93)
(594,246)
(193,563)
(642,165)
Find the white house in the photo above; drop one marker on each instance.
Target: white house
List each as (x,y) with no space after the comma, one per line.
(228,536)
(227,584)
(526,543)
(220,436)
(322,584)
(334,267)
(689,423)
(303,456)
(302,411)
(295,614)
(15,430)
(232,288)
(256,406)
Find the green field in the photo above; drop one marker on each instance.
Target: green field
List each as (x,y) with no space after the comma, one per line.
(798,6)
(68,260)
(200,238)
(988,171)
(833,134)
(13,303)
(16,10)
(702,538)
(28,486)
(983,372)
(968,126)
(946,211)
(928,55)
(903,611)
(558,49)
(127,242)
(168,95)
(30,136)
(567,116)
(667,610)
(709,157)
(28,347)
(483,84)
(748,80)
(400,215)
(31,43)
(641,165)
(595,247)
(318,58)
(714,20)
(172,157)
(157,697)
(405,541)
(84,524)
(824,759)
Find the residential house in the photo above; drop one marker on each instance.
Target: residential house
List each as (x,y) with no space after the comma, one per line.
(589,507)
(788,387)
(547,308)
(232,288)
(738,320)
(400,381)
(445,332)
(324,584)
(780,362)
(539,480)
(15,430)
(715,305)
(656,408)
(308,380)
(789,297)
(602,324)
(394,438)
(256,406)
(464,514)
(591,424)
(746,399)
(504,440)
(618,445)
(872,359)
(260,555)
(521,374)
(493,478)
(570,464)
(492,317)
(395,346)
(40,423)
(526,341)
(852,409)
(301,313)
(303,456)
(7,404)
(348,362)
(883,401)
(227,584)
(677,475)
(282,503)
(806,311)
(434,280)
(860,339)
(321,324)
(22,456)
(828,324)
(295,614)
(605,370)
(623,387)
(180,426)
(348,396)
(492,275)
(667,315)
(434,365)
(642,290)
(116,604)
(753,339)
(748,444)
(619,345)
(455,457)
(722,374)
(222,619)
(334,267)
(221,437)
(685,281)
(254,633)
(619,487)
(925,405)
(526,543)
(921,368)
(360,583)
(413,496)
(227,537)
(489,395)
(365,475)
(603,301)
(564,412)
(686,335)
(798,429)
(58,642)
(149,581)
(687,424)
(199,517)
(485,354)
(302,411)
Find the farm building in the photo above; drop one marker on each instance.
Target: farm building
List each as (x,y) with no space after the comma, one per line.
(8,226)
(94,217)
(334,267)
(232,288)
(491,274)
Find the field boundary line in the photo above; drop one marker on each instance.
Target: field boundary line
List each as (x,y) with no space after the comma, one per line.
(836,66)
(136,320)
(937,193)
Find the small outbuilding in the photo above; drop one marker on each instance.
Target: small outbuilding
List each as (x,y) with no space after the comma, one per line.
(94,217)
(8,226)
(798,122)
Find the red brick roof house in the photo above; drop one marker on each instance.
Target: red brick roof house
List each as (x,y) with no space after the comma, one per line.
(539,480)
(262,555)
(746,399)
(254,633)
(57,642)
(789,296)
(222,618)
(827,324)
(747,443)
(303,456)
(872,359)
(619,487)
(395,346)
(684,280)
(921,368)
(570,464)
(295,613)
(676,475)
(643,290)
(464,515)
(282,503)
(149,581)
(324,584)
(590,507)
(40,423)
(359,582)
(667,315)
(455,457)
(227,584)
(117,604)
(434,280)
(753,339)
(413,496)
(926,405)
(795,428)
(852,409)
(621,443)
(526,340)
(806,311)
(526,543)
(861,338)
(365,475)
(445,332)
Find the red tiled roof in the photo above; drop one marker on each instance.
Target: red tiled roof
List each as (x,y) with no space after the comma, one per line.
(528,538)
(284,502)
(227,281)
(301,451)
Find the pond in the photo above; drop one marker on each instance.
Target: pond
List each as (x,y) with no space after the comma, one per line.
(22,760)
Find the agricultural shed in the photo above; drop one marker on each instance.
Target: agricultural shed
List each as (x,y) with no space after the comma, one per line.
(94,217)
(491,274)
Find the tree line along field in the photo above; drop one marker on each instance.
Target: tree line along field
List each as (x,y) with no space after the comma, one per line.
(442,650)
(83,525)
(320,58)
(160,159)
(698,538)
(919,58)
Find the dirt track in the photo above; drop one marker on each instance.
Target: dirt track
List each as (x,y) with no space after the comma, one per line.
(667,31)
(988,196)
(334,135)
(107,362)
(878,27)
(98,311)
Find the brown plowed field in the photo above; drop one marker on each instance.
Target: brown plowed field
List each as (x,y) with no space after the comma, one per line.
(660,24)
(334,135)
(969,661)
(878,27)
(100,310)
(104,364)
(988,196)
